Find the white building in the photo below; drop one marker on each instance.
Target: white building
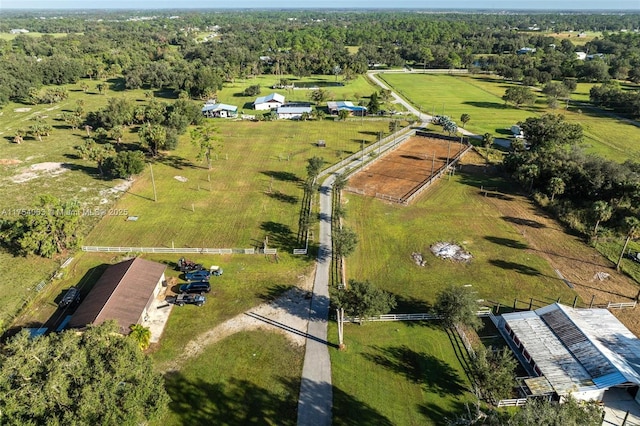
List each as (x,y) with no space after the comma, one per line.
(220,110)
(272,101)
(292,112)
(582,352)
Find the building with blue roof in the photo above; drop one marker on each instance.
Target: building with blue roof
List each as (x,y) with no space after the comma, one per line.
(335,107)
(220,110)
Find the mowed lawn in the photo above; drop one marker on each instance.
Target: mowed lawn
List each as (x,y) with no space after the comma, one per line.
(247,378)
(399,373)
(253,190)
(453,96)
(453,210)
(481,97)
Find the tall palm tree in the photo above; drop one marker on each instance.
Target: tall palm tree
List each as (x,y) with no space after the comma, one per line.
(632,224)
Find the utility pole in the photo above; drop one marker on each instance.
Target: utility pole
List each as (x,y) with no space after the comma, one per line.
(153,182)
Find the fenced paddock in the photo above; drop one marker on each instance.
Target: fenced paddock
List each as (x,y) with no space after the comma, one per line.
(195,250)
(402,173)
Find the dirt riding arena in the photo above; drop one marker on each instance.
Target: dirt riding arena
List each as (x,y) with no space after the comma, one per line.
(398,173)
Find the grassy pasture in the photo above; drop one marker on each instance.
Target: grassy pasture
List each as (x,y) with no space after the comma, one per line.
(452,96)
(75,180)
(254,188)
(350,91)
(397,374)
(248,378)
(502,268)
(480,97)
(9,36)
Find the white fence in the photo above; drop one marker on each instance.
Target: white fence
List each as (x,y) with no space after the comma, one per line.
(518,402)
(621,305)
(397,317)
(99,249)
(484,312)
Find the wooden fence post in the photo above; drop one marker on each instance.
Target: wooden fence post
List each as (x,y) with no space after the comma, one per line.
(591,303)
(575,299)
(498,308)
(530,302)
(514,303)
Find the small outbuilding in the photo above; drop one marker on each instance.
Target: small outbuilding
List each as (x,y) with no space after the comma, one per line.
(220,111)
(271,101)
(292,112)
(335,107)
(123,293)
(582,352)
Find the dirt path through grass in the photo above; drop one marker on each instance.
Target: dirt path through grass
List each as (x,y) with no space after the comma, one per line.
(287,314)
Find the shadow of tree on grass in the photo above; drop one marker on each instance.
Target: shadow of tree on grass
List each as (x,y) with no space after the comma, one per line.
(507,242)
(235,402)
(436,375)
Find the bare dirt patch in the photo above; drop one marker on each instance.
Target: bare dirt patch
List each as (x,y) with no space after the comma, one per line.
(40,169)
(287,314)
(22,110)
(406,167)
(9,161)
(591,274)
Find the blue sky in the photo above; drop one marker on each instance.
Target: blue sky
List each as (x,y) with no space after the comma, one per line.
(360,4)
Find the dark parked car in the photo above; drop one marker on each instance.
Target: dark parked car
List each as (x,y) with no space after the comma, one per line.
(197,276)
(71,297)
(634,256)
(190,299)
(196,287)
(185,265)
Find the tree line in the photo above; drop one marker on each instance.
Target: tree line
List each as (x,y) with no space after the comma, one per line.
(586,192)
(165,53)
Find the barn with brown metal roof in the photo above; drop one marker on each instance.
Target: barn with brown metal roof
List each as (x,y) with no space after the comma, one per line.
(123,293)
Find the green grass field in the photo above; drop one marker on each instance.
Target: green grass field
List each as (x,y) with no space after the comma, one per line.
(253,190)
(480,97)
(397,374)
(248,378)
(75,179)
(453,96)
(350,91)
(453,210)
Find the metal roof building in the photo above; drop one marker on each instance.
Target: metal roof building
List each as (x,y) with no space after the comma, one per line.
(335,107)
(219,110)
(123,293)
(292,112)
(579,351)
(271,101)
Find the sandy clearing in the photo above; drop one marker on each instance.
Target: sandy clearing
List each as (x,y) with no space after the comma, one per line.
(287,314)
(22,110)
(37,170)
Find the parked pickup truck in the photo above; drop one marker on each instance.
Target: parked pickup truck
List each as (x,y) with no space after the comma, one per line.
(190,299)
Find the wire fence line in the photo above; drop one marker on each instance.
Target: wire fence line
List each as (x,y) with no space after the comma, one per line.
(195,250)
